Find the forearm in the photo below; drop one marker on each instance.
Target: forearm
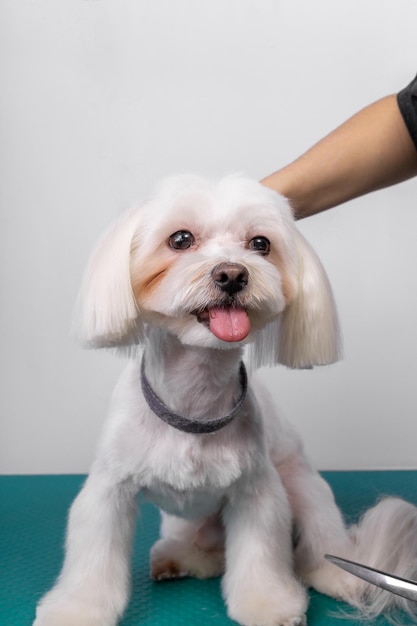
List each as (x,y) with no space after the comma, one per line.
(371,150)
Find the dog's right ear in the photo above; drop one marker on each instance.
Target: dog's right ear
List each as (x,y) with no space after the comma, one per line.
(106,313)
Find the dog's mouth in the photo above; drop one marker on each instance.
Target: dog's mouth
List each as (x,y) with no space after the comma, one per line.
(226,323)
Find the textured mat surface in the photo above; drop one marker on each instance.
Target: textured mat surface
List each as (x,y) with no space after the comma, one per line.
(33,512)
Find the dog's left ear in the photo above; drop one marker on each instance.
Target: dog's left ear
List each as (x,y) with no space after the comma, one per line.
(106,313)
(307,332)
(309,328)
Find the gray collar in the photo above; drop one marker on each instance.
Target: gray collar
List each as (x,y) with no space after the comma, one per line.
(187,424)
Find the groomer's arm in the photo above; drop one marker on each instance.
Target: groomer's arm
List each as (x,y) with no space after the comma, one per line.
(371,150)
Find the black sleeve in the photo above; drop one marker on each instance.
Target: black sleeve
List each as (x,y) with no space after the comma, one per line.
(407,101)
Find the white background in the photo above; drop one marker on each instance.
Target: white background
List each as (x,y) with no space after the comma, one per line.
(102,98)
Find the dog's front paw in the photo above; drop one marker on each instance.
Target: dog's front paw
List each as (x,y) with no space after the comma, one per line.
(63,611)
(68,617)
(269,606)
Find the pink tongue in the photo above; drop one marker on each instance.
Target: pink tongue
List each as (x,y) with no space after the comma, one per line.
(229,324)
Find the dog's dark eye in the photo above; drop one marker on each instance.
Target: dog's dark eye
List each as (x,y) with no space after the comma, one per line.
(181,240)
(260,244)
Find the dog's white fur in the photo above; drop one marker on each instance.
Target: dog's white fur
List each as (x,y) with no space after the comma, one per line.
(230,500)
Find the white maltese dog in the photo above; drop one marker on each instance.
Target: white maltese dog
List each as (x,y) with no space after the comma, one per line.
(193,276)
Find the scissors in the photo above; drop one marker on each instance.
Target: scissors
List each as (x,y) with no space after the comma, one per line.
(400,586)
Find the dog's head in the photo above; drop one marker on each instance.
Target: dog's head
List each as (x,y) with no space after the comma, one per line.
(218,265)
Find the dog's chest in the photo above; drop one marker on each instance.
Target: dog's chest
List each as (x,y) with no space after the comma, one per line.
(193,477)
(190,504)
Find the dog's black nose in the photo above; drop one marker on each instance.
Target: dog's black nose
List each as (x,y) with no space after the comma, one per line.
(230,277)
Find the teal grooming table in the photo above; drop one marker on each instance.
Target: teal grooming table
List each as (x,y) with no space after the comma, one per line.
(33,511)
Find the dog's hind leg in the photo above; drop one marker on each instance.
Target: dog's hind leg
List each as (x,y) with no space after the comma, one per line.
(384,538)
(319,528)
(188,548)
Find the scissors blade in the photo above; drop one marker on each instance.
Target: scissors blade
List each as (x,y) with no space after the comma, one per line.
(400,586)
